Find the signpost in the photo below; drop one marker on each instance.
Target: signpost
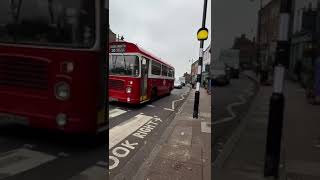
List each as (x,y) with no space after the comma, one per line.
(201,35)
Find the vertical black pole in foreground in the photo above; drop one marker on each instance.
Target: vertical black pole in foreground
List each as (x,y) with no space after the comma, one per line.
(277,100)
(197,93)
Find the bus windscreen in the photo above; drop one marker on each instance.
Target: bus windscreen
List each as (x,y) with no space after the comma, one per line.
(125,65)
(48,22)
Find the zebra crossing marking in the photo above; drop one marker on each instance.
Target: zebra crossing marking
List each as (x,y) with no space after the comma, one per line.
(19,160)
(116,112)
(95,172)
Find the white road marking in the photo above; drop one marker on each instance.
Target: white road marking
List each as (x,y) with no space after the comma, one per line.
(95,172)
(63,154)
(123,130)
(229,108)
(205,127)
(20,160)
(173,102)
(116,112)
(149,105)
(29,146)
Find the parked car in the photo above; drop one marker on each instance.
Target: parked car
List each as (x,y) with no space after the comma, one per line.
(221,75)
(177,84)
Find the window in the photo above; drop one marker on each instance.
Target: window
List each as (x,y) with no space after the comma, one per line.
(164,70)
(51,23)
(171,72)
(126,65)
(156,68)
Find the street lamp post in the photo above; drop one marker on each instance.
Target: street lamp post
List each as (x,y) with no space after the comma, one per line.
(202,35)
(277,100)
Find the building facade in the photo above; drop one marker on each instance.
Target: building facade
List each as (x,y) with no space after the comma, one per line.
(194,70)
(302,37)
(267,38)
(247,51)
(206,64)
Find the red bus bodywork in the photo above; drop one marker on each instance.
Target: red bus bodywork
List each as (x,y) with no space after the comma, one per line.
(118,84)
(29,74)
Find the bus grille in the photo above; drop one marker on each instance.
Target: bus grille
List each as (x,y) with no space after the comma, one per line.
(23,72)
(116,84)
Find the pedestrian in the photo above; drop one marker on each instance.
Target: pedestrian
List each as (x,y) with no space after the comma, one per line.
(204,83)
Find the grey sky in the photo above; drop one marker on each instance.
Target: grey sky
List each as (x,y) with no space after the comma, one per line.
(167,28)
(232,18)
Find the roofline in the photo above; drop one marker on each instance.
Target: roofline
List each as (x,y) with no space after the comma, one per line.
(144,52)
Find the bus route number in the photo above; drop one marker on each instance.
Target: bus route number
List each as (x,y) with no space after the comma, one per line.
(118,48)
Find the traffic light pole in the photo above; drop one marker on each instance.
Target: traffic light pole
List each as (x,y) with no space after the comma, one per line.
(277,100)
(197,93)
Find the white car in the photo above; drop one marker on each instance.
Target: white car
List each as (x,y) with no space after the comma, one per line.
(220,74)
(177,84)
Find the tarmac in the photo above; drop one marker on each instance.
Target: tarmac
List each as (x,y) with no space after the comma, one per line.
(185,149)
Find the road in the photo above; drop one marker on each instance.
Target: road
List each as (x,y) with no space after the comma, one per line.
(229,104)
(36,154)
(136,130)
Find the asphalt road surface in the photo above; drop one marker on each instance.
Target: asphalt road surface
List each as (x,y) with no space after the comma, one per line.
(229,105)
(37,154)
(134,131)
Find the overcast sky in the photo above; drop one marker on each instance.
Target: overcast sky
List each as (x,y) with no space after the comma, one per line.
(166,28)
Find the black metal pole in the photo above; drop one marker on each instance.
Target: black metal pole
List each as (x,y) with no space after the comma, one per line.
(277,100)
(197,93)
(259,39)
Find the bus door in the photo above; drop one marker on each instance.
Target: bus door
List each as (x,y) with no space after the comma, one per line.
(144,79)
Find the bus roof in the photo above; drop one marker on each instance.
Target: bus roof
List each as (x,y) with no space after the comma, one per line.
(133,48)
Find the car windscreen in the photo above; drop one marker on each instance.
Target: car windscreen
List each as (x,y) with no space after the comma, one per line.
(67,23)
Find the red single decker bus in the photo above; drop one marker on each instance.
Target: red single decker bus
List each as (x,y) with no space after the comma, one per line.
(52,64)
(135,75)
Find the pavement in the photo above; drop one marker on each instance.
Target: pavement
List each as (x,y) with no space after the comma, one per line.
(184,151)
(244,153)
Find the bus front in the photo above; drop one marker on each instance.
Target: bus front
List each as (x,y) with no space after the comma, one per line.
(51,64)
(124,75)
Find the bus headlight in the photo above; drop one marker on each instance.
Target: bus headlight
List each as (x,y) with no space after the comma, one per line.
(62,91)
(61,119)
(129,90)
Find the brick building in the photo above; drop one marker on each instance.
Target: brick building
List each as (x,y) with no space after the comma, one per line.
(269,28)
(247,51)
(194,70)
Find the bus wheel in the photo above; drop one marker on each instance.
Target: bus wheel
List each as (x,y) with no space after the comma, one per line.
(169,93)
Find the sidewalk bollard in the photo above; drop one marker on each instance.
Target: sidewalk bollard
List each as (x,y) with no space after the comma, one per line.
(277,100)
